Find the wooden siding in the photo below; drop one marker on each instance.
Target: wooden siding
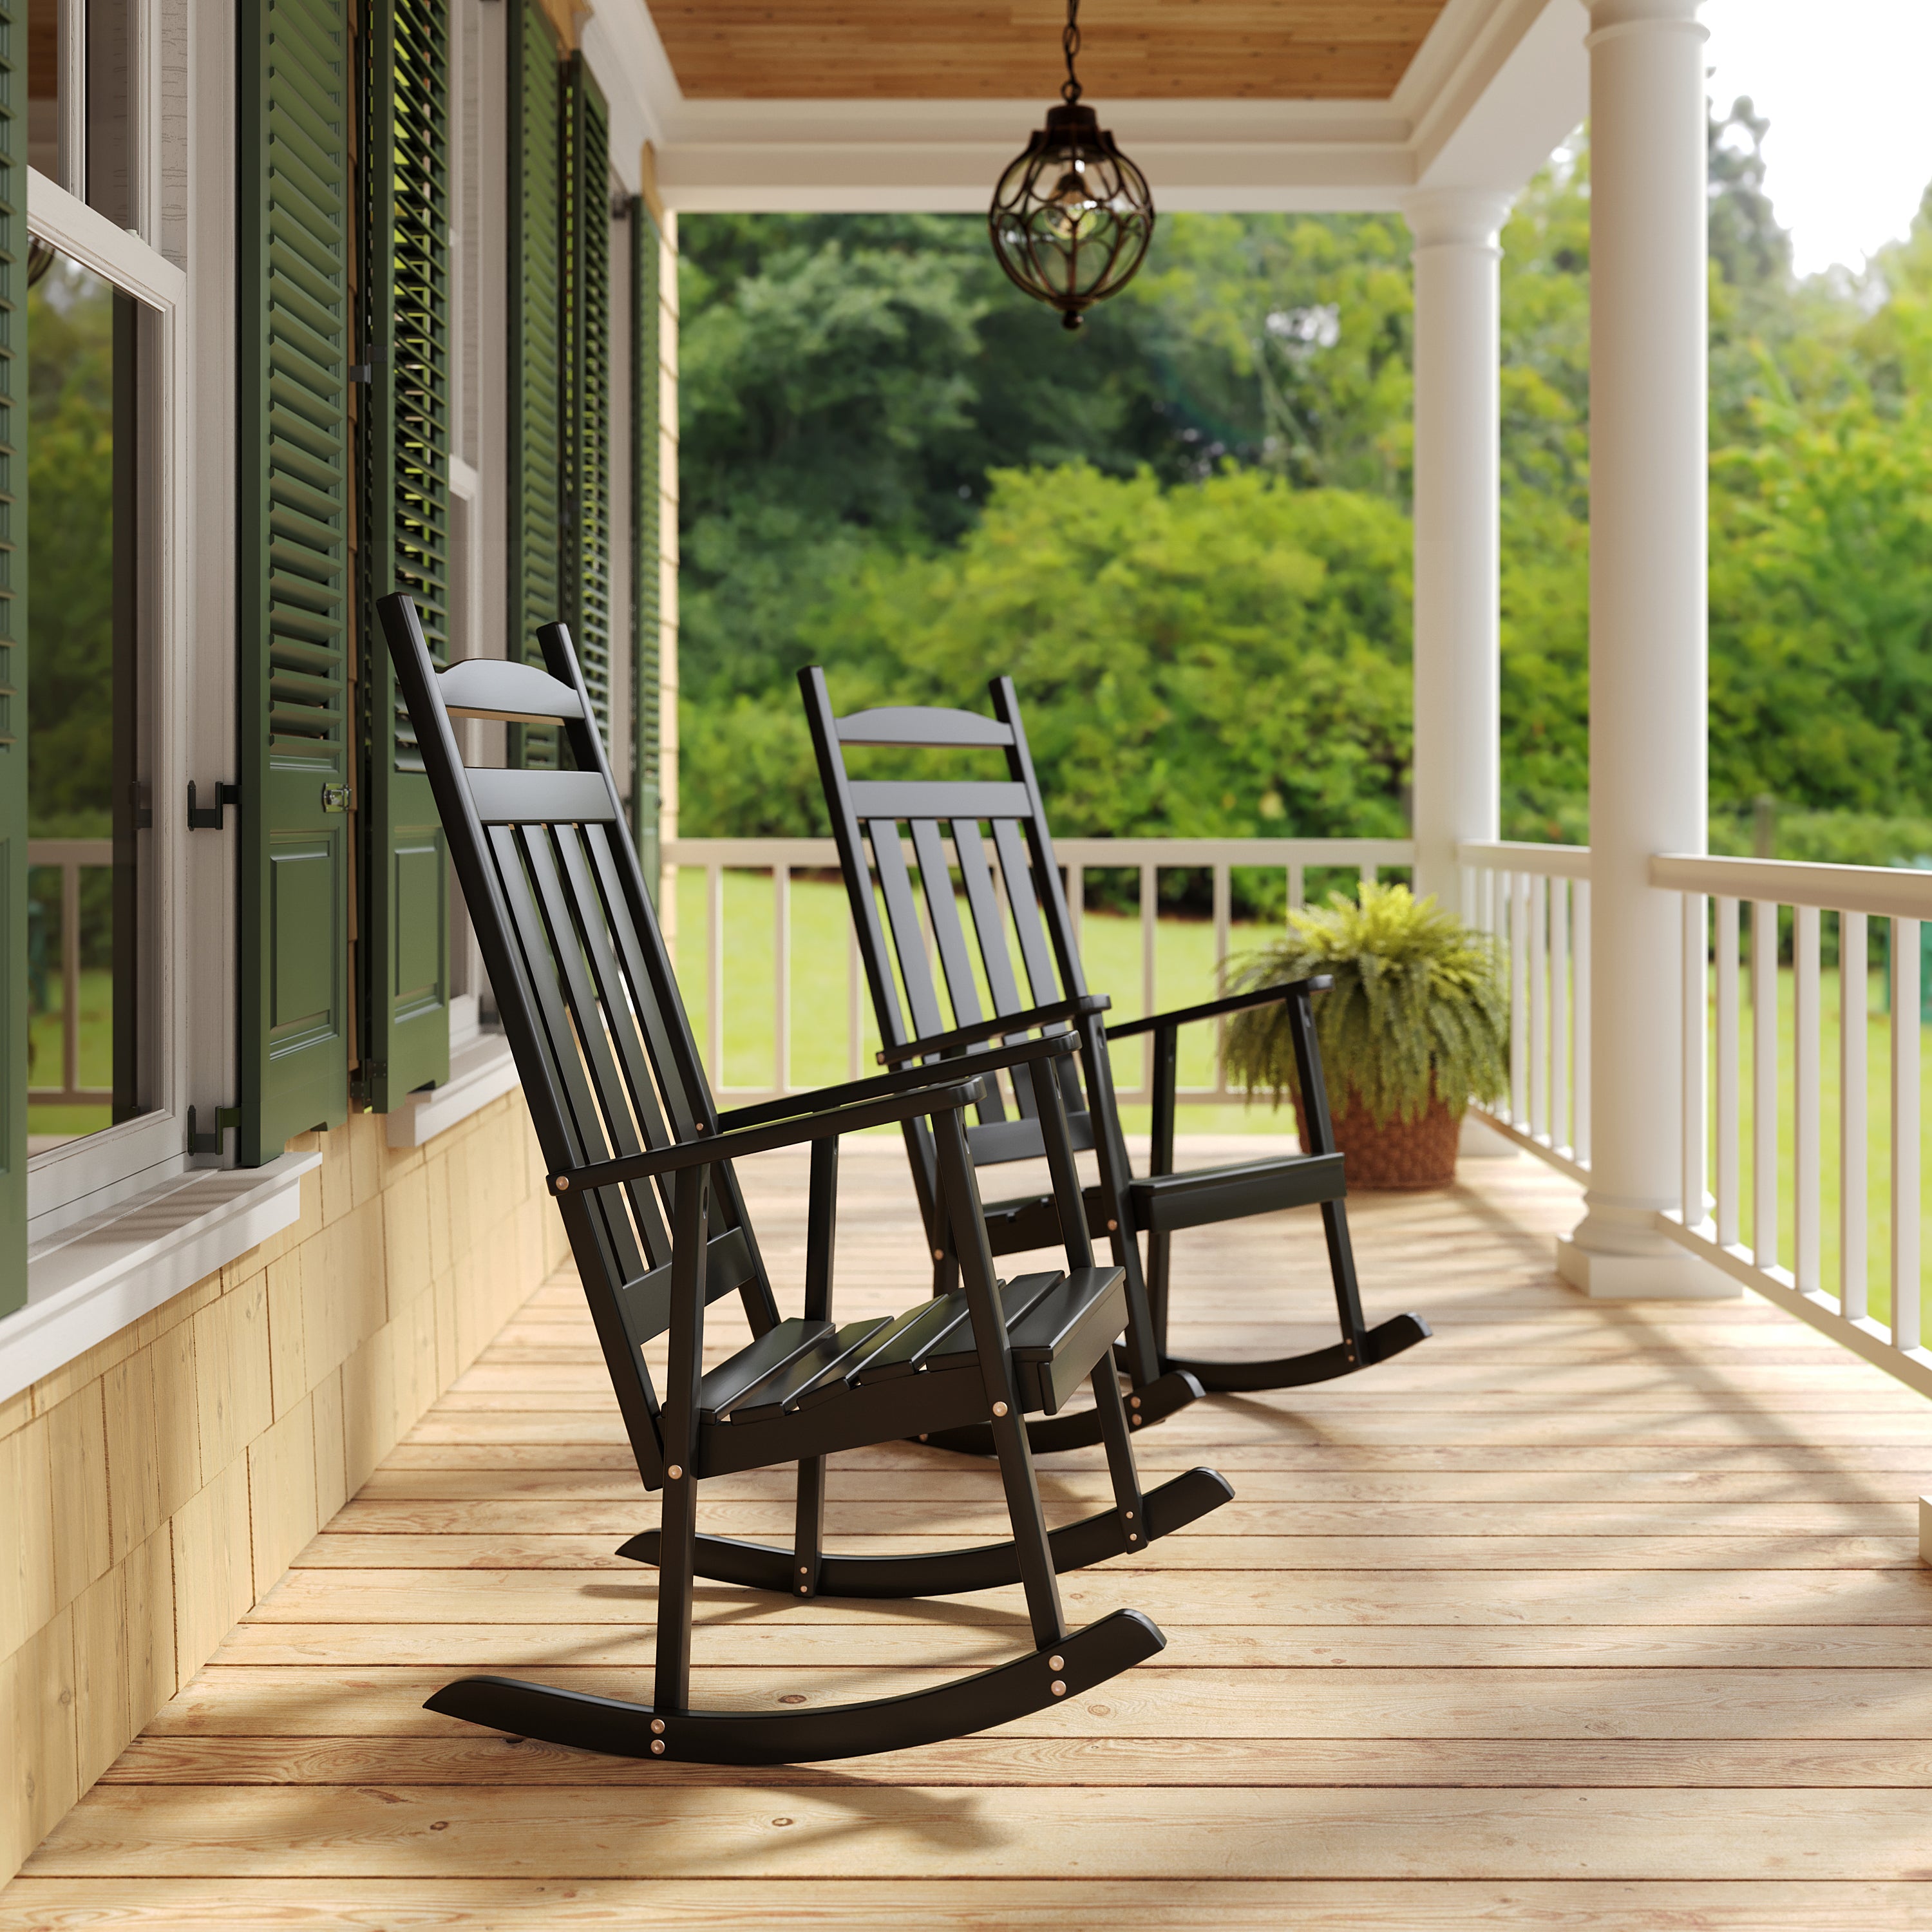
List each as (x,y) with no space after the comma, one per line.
(1596,1615)
(1134,49)
(155,1488)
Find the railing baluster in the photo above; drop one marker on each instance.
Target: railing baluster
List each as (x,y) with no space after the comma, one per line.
(1076,902)
(1854,1049)
(1905,1031)
(1579,1024)
(1296,887)
(71,974)
(1150,918)
(1807,1104)
(1730,1036)
(1224,894)
(1539,1009)
(1764,1082)
(1519,912)
(1694,1127)
(714,970)
(781,978)
(1561,1129)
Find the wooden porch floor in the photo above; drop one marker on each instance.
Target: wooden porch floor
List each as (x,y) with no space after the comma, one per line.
(1578,1614)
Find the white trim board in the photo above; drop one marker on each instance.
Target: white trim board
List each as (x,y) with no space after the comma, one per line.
(480,1070)
(89,1281)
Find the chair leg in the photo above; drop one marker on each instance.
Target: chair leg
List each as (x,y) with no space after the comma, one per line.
(1348,1293)
(1126,1478)
(677,1567)
(807,1535)
(1017,1476)
(1160,1253)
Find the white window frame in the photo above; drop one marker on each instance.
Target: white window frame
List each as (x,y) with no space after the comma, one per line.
(83,1176)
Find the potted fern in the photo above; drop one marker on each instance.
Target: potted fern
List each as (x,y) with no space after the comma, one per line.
(1415,1025)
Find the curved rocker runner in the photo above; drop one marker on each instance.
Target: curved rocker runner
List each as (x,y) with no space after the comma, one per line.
(1017,908)
(640,1165)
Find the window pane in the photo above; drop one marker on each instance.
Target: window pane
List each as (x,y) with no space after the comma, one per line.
(84,745)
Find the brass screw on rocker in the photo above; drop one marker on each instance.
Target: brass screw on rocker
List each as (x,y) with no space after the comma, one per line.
(657,1725)
(657,1747)
(1059,1687)
(675,1472)
(999,1409)
(1056,1663)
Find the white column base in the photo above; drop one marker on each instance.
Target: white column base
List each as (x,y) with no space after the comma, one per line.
(1669,1275)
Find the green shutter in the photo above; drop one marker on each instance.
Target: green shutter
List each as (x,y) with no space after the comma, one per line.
(403,940)
(586,416)
(646,544)
(537,588)
(293,484)
(13,657)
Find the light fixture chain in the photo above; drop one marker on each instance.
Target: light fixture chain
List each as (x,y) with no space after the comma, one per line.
(1069,42)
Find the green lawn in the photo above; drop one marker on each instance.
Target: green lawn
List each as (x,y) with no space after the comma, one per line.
(97,1055)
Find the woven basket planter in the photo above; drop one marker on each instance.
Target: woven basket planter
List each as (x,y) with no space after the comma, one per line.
(1399,1154)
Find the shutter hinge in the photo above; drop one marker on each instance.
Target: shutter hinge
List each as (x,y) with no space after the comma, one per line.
(225,1117)
(362,372)
(209,818)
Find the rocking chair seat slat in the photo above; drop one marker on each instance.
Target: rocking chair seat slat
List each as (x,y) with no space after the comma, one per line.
(823,1364)
(1166,1202)
(726,1384)
(1084,1306)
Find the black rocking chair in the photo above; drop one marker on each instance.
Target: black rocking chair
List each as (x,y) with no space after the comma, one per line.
(1012,883)
(639,1164)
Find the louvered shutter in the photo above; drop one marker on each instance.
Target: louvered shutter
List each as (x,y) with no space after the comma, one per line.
(646,544)
(293,477)
(403,942)
(537,585)
(586,416)
(12,659)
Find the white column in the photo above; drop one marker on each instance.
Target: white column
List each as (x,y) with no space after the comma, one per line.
(1648,350)
(1457,544)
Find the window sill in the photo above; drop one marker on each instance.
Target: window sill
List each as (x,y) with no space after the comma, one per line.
(480,1070)
(90,1280)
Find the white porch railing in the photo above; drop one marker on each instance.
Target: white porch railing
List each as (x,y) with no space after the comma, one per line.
(1536,899)
(1293,858)
(1778,1149)
(71,857)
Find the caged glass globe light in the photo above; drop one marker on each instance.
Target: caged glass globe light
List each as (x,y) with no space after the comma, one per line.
(1072,217)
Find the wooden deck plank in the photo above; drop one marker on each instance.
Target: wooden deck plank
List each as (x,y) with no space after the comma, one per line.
(730,1903)
(1608,1616)
(916,1831)
(290,1758)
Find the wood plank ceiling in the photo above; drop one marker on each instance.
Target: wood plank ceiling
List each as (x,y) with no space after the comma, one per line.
(1010,49)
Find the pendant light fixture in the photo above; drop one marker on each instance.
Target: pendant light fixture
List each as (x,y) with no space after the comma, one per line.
(1072,217)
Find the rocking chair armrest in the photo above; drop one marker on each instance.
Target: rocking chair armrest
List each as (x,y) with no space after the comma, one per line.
(1215,1010)
(882,1085)
(995,1028)
(710,1150)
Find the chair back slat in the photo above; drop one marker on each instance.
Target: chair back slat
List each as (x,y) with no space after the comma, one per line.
(908,937)
(572,930)
(1016,868)
(542,948)
(989,921)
